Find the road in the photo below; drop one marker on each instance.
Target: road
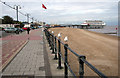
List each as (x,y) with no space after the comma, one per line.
(3,34)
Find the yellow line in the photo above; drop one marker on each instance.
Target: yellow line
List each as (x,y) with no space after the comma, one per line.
(5,64)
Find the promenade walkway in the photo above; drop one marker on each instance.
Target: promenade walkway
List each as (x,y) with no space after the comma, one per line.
(30,60)
(10,46)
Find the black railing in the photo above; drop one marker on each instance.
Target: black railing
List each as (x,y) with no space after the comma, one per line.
(52,40)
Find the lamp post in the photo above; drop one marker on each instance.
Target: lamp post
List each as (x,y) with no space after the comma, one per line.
(28,17)
(32,19)
(36,20)
(16,7)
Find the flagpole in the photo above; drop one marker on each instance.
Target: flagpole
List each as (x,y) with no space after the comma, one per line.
(43,6)
(42,17)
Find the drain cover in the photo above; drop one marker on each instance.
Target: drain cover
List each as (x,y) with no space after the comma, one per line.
(41,68)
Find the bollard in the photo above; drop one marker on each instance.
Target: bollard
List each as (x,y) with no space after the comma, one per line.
(81,66)
(66,57)
(55,58)
(53,52)
(59,53)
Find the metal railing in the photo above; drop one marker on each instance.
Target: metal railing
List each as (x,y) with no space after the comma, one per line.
(52,40)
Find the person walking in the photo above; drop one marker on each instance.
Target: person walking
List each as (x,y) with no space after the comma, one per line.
(28,30)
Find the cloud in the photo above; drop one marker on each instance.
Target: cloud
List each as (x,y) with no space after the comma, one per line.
(95,11)
(66,12)
(61,0)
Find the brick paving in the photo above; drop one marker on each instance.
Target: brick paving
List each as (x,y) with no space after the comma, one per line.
(8,51)
(10,46)
(30,60)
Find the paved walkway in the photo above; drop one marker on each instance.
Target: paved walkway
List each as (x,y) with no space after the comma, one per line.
(10,46)
(35,59)
(30,60)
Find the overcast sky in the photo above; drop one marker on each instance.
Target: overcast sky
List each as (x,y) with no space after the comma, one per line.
(65,11)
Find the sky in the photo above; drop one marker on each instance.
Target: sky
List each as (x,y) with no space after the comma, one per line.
(65,11)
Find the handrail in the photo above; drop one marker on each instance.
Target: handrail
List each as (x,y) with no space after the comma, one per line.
(93,68)
(66,46)
(82,59)
(71,71)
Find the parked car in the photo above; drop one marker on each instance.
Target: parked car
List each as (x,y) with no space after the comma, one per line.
(1,29)
(33,28)
(10,29)
(20,29)
(40,26)
(24,28)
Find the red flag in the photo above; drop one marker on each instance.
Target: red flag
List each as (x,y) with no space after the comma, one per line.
(44,6)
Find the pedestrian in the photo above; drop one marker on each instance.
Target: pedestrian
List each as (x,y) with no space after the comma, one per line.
(116,28)
(116,31)
(28,30)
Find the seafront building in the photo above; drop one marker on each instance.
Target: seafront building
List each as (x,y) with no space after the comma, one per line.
(9,25)
(93,24)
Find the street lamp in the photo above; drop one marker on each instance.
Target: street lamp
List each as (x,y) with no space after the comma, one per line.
(28,17)
(32,19)
(36,20)
(16,7)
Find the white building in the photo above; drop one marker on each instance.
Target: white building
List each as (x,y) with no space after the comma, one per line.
(8,25)
(27,25)
(94,24)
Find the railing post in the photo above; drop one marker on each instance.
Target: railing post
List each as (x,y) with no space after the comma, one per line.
(66,58)
(55,58)
(50,41)
(59,53)
(81,66)
(53,52)
(48,37)
(45,32)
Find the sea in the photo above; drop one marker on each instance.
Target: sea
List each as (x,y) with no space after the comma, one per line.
(110,30)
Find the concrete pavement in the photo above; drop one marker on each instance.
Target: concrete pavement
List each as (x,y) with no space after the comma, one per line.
(30,60)
(35,59)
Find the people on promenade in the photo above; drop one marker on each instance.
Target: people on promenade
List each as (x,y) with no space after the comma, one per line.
(28,30)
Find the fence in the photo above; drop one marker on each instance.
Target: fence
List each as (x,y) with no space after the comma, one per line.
(52,40)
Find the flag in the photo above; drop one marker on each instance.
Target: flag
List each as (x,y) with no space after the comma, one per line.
(44,6)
